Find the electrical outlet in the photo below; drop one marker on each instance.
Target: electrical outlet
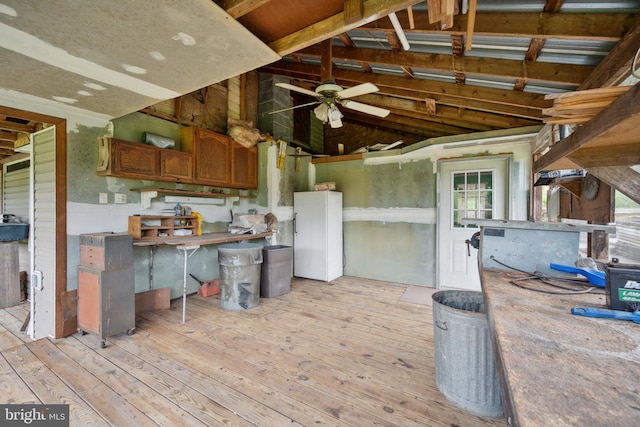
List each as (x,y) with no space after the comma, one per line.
(104,198)
(121,198)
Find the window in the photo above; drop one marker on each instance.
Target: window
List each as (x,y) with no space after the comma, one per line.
(472,196)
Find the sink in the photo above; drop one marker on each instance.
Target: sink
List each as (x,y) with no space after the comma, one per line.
(10,231)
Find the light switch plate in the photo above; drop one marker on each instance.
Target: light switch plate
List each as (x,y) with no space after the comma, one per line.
(104,198)
(121,198)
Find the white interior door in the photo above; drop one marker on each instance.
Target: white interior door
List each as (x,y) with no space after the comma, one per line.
(42,234)
(468,189)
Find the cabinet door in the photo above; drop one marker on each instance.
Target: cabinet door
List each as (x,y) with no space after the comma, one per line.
(244,166)
(213,158)
(132,159)
(176,164)
(88,301)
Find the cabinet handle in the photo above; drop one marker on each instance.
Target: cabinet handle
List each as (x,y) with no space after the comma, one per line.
(295,229)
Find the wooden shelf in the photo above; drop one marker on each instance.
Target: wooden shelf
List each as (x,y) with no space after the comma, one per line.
(189,193)
(146,194)
(144,227)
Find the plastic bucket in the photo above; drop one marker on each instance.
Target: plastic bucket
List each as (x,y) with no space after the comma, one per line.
(239,275)
(465,367)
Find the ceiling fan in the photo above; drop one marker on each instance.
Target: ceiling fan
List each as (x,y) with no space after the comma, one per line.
(329,94)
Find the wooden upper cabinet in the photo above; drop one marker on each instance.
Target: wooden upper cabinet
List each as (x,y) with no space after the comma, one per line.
(131,159)
(211,153)
(128,159)
(206,158)
(244,167)
(177,165)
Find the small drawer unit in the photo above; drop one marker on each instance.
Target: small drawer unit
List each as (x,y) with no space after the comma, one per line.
(106,251)
(106,285)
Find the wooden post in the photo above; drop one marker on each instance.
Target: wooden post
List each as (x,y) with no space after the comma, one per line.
(9,275)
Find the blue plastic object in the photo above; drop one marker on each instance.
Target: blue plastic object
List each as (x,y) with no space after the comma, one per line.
(595,277)
(10,232)
(606,314)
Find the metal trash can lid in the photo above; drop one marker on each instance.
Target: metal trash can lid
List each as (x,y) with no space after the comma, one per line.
(239,247)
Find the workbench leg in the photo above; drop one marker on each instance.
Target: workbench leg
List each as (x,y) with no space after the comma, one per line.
(184,289)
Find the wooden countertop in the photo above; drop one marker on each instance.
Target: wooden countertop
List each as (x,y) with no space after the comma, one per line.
(559,369)
(204,239)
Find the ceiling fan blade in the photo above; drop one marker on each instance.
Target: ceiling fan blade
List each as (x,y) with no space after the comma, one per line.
(295,106)
(297,89)
(365,108)
(361,89)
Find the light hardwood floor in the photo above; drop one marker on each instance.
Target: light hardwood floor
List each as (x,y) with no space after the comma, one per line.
(345,353)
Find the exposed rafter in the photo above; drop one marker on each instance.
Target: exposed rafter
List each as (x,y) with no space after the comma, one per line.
(584,26)
(334,25)
(544,72)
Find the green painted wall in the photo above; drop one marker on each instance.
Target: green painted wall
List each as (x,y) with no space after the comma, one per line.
(88,216)
(391,247)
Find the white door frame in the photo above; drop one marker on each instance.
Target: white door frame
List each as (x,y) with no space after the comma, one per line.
(468,164)
(42,235)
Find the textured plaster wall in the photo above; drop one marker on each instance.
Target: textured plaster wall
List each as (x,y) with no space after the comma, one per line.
(390,202)
(86,215)
(389,223)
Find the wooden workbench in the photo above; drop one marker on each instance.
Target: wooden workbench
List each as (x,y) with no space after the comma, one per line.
(191,241)
(204,239)
(557,369)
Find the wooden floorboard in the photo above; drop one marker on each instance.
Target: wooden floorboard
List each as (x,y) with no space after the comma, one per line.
(344,353)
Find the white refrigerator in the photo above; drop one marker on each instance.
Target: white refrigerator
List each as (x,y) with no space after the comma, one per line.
(317,238)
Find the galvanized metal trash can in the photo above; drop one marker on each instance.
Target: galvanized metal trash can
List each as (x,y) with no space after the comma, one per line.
(275,276)
(239,275)
(465,368)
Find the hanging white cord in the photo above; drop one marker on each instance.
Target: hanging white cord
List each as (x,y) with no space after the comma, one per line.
(634,70)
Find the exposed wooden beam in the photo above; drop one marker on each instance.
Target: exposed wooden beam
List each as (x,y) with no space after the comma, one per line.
(8,136)
(622,178)
(471,21)
(617,65)
(466,92)
(392,38)
(352,11)
(585,26)
(620,155)
(405,124)
(444,93)
(553,5)
(238,8)
(535,47)
(544,72)
(16,127)
(326,63)
(616,125)
(334,25)
(461,117)
(457,43)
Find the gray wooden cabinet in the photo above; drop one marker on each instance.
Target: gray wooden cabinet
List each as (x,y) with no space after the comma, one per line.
(106,289)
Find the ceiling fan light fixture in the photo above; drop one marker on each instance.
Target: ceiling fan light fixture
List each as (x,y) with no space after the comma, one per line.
(334,116)
(322,112)
(328,89)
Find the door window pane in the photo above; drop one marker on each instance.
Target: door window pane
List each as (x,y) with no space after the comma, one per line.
(472,196)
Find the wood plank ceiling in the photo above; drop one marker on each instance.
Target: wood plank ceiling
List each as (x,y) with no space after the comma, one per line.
(519,52)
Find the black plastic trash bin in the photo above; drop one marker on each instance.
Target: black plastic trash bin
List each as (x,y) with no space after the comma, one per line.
(465,367)
(275,277)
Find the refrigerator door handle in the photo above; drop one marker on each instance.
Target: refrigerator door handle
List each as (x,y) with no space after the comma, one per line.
(295,229)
